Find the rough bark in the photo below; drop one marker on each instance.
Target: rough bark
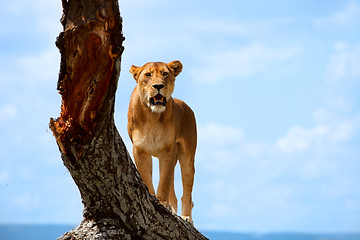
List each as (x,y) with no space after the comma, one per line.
(117,205)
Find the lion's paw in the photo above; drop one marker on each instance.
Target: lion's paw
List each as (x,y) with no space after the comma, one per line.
(167,205)
(188,219)
(172,209)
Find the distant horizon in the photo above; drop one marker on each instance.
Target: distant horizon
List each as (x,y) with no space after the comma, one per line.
(71,226)
(46,232)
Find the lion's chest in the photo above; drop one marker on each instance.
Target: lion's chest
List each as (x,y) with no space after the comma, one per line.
(153,139)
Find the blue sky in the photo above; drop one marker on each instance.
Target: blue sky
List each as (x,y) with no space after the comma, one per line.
(274,86)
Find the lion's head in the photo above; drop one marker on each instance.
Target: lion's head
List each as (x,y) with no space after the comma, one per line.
(156,82)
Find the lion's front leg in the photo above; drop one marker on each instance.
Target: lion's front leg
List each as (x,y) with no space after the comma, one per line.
(143,163)
(167,162)
(187,174)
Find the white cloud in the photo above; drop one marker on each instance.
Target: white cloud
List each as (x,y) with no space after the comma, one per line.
(28,73)
(42,66)
(7,112)
(316,168)
(240,62)
(218,147)
(43,15)
(300,139)
(22,6)
(248,175)
(225,201)
(136,3)
(330,130)
(214,134)
(344,130)
(255,150)
(344,63)
(349,15)
(218,26)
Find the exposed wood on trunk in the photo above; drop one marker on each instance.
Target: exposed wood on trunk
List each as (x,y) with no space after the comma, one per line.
(117,205)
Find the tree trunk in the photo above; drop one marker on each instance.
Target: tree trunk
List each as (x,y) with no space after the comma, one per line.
(117,205)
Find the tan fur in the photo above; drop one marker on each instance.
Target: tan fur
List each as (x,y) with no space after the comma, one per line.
(166,132)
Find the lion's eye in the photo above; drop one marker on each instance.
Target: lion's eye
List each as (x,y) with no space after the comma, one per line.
(148,74)
(165,74)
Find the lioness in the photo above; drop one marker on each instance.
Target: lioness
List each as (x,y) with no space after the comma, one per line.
(163,127)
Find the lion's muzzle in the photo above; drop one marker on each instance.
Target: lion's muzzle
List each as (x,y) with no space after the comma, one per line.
(158,100)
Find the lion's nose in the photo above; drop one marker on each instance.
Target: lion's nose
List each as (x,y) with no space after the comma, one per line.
(158,86)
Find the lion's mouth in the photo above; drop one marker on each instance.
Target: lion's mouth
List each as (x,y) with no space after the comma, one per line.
(158,100)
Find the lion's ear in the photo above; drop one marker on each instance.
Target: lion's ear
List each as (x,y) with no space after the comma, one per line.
(176,66)
(135,71)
